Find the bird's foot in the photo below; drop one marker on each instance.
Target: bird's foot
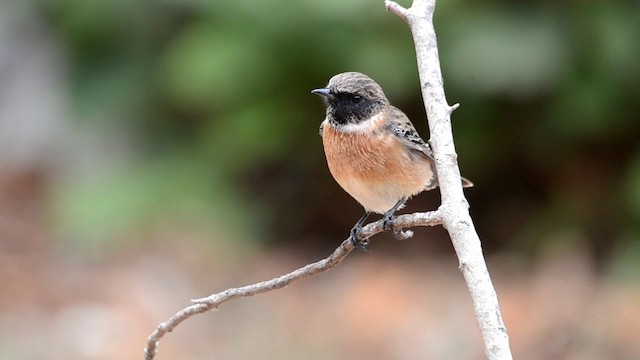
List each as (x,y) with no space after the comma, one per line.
(354,235)
(387,225)
(398,234)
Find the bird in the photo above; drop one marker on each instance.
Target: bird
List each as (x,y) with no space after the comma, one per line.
(373,151)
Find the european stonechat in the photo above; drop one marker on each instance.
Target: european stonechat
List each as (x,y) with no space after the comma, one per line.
(373,150)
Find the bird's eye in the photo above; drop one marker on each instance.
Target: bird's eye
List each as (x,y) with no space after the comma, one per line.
(356,99)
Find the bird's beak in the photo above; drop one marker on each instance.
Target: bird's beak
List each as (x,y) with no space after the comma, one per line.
(324,92)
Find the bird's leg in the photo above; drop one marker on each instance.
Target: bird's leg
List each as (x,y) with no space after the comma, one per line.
(355,232)
(387,219)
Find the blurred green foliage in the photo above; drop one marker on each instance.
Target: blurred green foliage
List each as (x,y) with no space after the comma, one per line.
(216,95)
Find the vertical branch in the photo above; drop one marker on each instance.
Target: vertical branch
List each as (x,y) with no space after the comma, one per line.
(454,208)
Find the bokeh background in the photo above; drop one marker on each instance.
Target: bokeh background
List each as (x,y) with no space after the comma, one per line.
(157,151)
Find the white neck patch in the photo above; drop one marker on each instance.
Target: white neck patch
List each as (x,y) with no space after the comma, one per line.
(368,125)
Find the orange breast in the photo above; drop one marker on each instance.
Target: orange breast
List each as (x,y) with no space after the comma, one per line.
(374,167)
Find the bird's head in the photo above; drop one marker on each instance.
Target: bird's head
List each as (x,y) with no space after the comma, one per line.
(351,98)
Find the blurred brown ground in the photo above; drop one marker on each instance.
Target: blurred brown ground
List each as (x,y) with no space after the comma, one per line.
(372,306)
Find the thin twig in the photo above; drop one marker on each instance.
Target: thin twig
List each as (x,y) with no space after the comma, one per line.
(212,302)
(396,8)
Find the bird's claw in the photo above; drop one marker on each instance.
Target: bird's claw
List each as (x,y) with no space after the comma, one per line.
(360,244)
(387,225)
